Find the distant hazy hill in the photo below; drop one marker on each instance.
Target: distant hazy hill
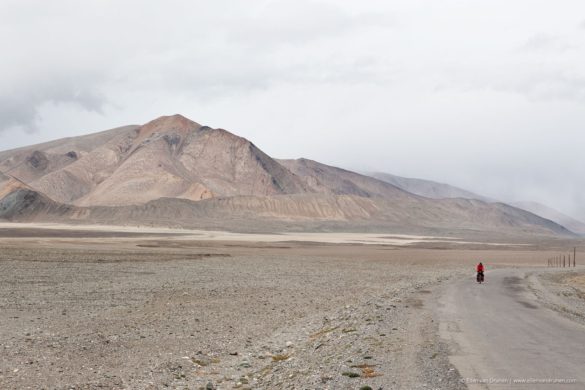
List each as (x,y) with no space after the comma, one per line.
(173,171)
(554,215)
(428,188)
(435,190)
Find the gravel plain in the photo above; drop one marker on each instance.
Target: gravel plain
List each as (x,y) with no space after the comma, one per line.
(146,313)
(562,290)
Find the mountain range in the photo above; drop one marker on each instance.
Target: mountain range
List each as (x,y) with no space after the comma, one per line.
(175,172)
(435,190)
(547,212)
(428,188)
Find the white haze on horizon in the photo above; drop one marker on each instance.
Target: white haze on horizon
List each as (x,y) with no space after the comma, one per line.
(485,95)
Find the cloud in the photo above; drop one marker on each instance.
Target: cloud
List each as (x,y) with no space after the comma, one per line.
(16,114)
(543,41)
(21,102)
(463,93)
(547,86)
(88,54)
(281,23)
(47,61)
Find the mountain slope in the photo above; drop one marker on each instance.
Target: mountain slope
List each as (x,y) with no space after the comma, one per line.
(325,178)
(168,157)
(435,190)
(173,171)
(9,184)
(33,162)
(25,205)
(427,188)
(406,209)
(554,215)
(292,212)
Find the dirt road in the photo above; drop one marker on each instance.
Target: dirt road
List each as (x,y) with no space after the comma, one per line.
(504,338)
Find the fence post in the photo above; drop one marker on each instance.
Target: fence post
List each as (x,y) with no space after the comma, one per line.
(569,260)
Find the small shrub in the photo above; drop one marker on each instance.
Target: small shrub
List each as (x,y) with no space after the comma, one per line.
(280,358)
(368,370)
(323,332)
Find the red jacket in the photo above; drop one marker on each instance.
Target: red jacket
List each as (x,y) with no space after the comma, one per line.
(479,268)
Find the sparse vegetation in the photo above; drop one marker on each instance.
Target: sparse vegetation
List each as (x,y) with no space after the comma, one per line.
(368,370)
(280,357)
(323,332)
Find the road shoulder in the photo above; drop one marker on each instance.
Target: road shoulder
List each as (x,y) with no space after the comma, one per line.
(562,291)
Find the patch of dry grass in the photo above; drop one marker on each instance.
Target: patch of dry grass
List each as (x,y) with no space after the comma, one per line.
(368,370)
(323,332)
(280,357)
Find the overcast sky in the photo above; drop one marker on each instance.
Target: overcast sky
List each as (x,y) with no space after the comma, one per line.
(487,95)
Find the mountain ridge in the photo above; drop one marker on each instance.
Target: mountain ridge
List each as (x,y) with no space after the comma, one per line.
(139,173)
(428,188)
(547,212)
(438,190)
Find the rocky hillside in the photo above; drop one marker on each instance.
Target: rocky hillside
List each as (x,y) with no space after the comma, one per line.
(428,188)
(168,157)
(539,209)
(436,190)
(173,171)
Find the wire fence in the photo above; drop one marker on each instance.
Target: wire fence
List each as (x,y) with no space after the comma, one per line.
(567,259)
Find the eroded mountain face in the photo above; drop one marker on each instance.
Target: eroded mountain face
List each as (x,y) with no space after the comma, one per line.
(168,157)
(175,171)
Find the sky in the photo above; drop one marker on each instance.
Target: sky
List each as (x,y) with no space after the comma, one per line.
(487,95)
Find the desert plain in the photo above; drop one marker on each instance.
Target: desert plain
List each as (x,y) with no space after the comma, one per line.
(136,308)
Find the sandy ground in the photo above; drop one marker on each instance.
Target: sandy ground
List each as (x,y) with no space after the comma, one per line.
(102,311)
(55,230)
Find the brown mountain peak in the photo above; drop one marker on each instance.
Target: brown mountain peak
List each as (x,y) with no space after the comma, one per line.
(165,124)
(175,126)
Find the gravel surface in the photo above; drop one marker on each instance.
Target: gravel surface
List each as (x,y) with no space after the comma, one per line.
(122,313)
(117,315)
(562,290)
(148,319)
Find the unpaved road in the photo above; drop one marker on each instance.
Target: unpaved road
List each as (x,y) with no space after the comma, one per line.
(501,335)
